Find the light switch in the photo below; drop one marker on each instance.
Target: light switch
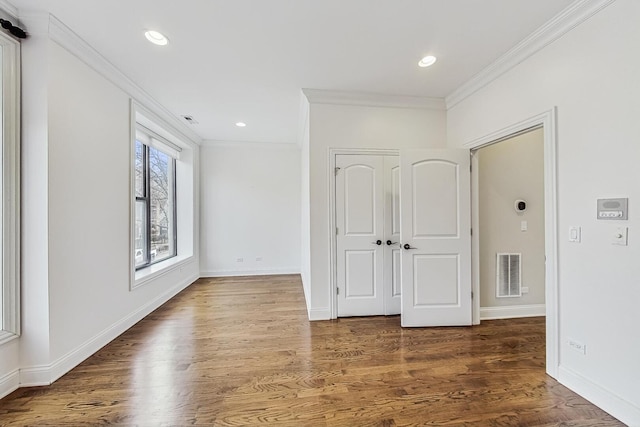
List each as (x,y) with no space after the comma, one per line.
(524,226)
(575,234)
(620,236)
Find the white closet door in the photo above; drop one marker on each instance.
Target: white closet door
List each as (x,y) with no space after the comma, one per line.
(436,237)
(360,234)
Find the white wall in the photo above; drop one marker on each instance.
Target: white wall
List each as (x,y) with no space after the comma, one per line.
(76,204)
(250,209)
(591,75)
(305,222)
(350,126)
(510,170)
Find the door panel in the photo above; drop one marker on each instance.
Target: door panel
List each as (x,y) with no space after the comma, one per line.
(435,206)
(360,223)
(432,275)
(360,277)
(360,200)
(436,224)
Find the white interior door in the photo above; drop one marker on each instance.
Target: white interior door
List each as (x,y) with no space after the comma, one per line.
(360,239)
(436,237)
(392,251)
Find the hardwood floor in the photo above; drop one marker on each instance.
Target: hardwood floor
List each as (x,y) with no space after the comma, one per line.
(240,352)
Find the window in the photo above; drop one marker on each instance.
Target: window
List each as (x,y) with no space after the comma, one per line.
(155,199)
(9,188)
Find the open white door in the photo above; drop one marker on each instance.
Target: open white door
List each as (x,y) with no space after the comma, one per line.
(436,237)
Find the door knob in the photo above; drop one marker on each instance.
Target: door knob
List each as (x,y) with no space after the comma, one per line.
(408,246)
(389,243)
(377,242)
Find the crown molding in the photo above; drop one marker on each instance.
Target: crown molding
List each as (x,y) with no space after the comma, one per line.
(574,15)
(9,8)
(65,37)
(334,97)
(251,145)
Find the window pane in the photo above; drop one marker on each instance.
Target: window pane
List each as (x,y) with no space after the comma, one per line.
(139,169)
(161,178)
(140,246)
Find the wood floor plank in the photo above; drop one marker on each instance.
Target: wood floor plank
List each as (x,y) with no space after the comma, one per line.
(241,352)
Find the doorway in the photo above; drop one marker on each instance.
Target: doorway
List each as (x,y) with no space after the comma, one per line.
(511,226)
(547,122)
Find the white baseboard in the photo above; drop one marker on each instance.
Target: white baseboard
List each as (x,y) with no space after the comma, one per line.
(623,410)
(319,313)
(9,383)
(47,374)
(511,312)
(35,376)
(236,273)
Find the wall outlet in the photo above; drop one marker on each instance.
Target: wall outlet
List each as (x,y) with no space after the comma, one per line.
(578,346)
(258,258)
(240,260)
(525,290)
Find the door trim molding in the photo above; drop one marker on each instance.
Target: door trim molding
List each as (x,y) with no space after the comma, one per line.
(333,152)
(547,120)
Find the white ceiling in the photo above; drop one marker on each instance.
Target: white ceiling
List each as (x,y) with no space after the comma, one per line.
(247,60)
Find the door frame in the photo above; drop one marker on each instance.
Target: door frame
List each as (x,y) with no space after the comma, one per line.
(333,271)
(547,121)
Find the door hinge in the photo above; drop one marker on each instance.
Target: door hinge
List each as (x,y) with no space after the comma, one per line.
(337,231)
(471,230)
(337,291)
(471,294)
(470,168)
(335,171)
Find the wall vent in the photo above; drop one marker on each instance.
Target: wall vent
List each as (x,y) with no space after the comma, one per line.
(508,275)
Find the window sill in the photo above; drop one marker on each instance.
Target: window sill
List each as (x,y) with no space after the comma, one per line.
(5,337)
(146,275)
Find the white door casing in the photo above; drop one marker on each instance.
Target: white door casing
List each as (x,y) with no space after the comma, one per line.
(436,227)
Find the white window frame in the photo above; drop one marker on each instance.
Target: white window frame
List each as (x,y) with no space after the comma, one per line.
(186,170)
(10,190)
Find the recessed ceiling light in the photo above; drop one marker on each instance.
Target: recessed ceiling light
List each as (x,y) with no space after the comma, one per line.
(427,61)
(241,124)
(156,37)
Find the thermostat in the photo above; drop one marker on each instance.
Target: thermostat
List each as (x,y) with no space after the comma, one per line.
(612,208)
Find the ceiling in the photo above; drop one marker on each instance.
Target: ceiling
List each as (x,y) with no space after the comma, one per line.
(247,60)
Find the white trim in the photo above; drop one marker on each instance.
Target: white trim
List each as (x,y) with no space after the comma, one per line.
(9,383)
(574,15)
(35,376)
(250,144)
(512,312)
(10,10)
(47,374)
(334,97)
(623,410)
(331,203)
(10,189)
(65,37)
(547,120)
(315,314)
(149,274)
(240,273)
